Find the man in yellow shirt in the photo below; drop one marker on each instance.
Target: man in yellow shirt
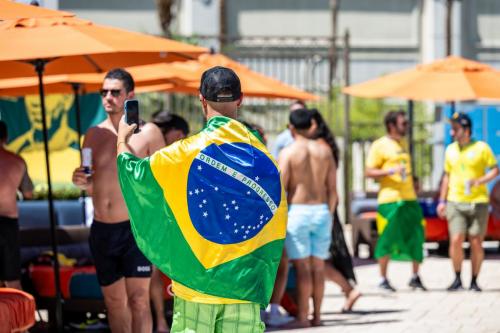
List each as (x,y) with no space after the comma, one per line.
(469,165)
(399,216)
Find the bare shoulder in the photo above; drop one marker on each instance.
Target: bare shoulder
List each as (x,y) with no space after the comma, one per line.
(93,133)
(12,159)
(150,129)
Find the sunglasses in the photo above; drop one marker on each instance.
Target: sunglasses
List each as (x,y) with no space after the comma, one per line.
(114,92)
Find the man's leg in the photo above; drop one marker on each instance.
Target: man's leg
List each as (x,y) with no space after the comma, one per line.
(138,299)
(383,263)
(415,266)
(318,275)
(456,251)
(384,284)
(241,318)
(115,298)
(156,294)
(477,256)
(304,289)
(457,256)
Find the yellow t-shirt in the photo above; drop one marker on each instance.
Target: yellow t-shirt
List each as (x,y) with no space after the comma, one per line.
(194,296)
(386,153)
(464,164)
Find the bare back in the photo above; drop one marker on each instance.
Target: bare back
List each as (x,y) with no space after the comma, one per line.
(306,168)
(13,170)
(109,205)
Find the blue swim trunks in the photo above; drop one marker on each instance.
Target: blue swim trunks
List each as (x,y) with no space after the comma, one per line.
(309,231)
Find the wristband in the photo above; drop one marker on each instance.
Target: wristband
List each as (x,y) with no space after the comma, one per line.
(392,171)
(118,144)
(441,201)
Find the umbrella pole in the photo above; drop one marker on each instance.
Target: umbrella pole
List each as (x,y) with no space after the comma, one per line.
(76,91)
(39,66)
(411,119)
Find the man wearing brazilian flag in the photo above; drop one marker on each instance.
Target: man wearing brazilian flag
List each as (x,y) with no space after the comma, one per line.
(400,221)
(210,212)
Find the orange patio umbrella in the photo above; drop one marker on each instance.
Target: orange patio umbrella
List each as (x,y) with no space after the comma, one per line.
(71,45)
(449,79)
(253,84)
(65,45)
(10,10)
(179,77)
(155,75)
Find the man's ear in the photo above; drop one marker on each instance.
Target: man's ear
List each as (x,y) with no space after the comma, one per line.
(131,95)
(203,101)
(240,100)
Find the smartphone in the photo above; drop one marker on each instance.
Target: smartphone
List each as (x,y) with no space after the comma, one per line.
(132,113)
(87,160)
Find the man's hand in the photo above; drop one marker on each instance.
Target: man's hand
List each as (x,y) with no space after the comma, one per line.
(397,170)
(125,131)
(441,210)
(81,179)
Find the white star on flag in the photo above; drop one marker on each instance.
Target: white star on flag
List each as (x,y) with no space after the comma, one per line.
(196,191)
(233,202)
(190,192)
(227,217)
(216,188)
(236,208)
(205,214)
(199,167)
(257,178)
(204,201)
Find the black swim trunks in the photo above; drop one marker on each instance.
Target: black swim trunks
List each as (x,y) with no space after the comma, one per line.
(10,256)
(115,252)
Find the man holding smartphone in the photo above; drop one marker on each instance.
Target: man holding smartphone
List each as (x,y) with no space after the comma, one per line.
(122,270)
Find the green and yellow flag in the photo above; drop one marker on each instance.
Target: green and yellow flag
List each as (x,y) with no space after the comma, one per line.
(210,211)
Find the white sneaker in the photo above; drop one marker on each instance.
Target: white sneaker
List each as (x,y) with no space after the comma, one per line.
(277,319)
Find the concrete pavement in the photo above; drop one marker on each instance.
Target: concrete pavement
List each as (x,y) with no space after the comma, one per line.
(415,311)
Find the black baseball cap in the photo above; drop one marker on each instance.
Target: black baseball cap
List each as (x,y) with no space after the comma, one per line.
(462,119)
(220,84)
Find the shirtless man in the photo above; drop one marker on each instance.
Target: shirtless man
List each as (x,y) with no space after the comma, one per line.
(123,271)
(308,173)
(14,177)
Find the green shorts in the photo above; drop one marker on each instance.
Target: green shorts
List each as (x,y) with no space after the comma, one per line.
(467,218)
(191,317)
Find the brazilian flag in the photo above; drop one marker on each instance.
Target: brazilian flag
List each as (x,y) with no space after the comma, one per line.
(210,211)
(401,228)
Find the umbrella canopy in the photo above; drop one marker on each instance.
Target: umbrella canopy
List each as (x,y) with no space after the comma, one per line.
(253,84)
(179,77)
(156,75)
(10,10)
(78,46)
(449,79)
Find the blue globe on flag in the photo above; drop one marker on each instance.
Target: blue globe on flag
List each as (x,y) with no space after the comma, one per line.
(233,191)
